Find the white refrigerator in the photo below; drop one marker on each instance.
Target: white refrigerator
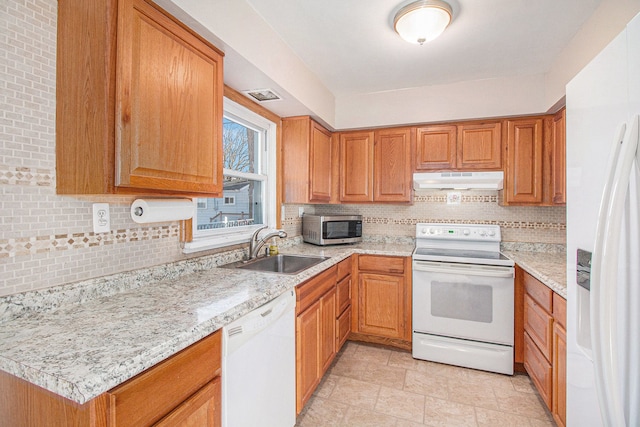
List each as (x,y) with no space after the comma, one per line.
(603,321)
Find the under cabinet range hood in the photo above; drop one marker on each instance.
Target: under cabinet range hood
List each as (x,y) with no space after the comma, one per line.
(458,180)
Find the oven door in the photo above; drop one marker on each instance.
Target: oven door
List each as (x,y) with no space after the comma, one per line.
(473,302)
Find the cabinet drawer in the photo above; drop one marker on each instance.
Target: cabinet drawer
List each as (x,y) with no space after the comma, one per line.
(344,269)
(560,310)
(539,325)
(381,264)
(538,291)
(538,368)
(148,397)
(343,327)
(310,291)
(343,295)
(202,409)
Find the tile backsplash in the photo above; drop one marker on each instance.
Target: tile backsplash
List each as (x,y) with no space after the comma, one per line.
(47,240)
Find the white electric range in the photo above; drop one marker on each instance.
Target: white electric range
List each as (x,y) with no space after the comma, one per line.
(463,297)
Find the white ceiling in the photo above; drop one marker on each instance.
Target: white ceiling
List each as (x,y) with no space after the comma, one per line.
(352,48)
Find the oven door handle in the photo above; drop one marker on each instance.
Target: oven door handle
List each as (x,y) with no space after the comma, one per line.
(471,270)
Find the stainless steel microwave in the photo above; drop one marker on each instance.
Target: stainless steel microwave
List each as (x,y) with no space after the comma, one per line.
(331,230)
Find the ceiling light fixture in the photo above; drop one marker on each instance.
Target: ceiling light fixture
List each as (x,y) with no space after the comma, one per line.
(422,21)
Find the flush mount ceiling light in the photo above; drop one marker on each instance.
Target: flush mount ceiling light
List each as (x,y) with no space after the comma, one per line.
(422,21)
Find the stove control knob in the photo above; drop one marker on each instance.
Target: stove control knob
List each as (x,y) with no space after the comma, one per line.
(423,230)
(482,233)
(465,231)
(492,233)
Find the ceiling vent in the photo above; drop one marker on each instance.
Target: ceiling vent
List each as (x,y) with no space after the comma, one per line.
(263,95)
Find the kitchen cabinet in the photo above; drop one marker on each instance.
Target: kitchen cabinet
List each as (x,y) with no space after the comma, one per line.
(558,159)
(523,161)
(479,146)
(307,161)
(147,118)
(436,147)
(181,389)
(392,177)
(376,166)
(343,302)
(383,310)
(315,332)
(543,343)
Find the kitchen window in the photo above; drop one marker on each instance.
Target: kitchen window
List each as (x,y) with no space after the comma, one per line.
(248,199)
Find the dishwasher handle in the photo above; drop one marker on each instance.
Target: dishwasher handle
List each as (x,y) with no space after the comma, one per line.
(467,269)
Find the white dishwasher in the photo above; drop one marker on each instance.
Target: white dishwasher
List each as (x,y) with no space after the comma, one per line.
(259,366)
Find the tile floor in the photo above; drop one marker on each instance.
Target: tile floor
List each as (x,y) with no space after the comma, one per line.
(369,385)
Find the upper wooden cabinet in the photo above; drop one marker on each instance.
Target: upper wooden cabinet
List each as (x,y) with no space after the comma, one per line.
(480,146)
(356,167)
(468,146)
(558,159)
(147,118)
(436,147)
(376,166)
(306,161)
(523,166)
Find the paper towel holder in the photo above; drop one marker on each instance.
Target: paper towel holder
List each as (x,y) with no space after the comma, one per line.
(161,210)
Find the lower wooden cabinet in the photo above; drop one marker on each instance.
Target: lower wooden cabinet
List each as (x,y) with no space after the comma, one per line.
(382,313)
(343,303)
(315,332)
(181,390)
(541,327)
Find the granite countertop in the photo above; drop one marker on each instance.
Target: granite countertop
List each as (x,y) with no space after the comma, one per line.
(80,349)
(548,267)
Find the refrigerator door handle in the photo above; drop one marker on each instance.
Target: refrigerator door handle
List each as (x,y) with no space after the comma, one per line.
(604,277)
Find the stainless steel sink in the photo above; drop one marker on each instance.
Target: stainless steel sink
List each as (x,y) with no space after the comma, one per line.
(282,263)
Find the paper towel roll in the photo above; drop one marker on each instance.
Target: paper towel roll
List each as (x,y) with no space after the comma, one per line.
(161,210)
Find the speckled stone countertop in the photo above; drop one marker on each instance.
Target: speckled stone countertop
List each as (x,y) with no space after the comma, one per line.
(81,340)
(548,267)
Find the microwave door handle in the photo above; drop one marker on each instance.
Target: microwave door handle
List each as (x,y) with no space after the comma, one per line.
(497,272)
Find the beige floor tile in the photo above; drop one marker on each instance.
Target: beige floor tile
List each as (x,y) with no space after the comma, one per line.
(447,371)
(359,417)
(322,412)
(403,359)
(428,385)
(372,354)
(356,393)
(407,423)
(495,381)
(519,403)
(522,383)
(347,367)
(541,423)
(401,404)
(326,386)
(463,391)
(445,413)
(383,375)
(487,417)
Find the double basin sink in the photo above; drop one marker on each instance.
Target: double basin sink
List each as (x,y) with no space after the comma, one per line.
(281,263)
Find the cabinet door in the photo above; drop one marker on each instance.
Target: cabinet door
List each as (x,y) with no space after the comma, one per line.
(558,159)
(381,305)
(328,329)
(539,325)
(356,167)
(201,410)
(436,148)
(392,165)
(319,164)
(523,177)
(168,104)
(539,369)
(308,353)
(480,146)
(559,388)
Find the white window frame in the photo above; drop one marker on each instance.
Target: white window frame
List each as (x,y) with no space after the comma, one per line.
(217,238)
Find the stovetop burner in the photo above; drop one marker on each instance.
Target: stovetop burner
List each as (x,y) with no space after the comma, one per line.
(468,243)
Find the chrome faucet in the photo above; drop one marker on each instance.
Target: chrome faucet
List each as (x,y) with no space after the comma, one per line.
(256,244)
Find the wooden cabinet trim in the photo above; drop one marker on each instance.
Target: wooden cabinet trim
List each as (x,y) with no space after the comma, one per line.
(560,310)
(559,381)
(539,369)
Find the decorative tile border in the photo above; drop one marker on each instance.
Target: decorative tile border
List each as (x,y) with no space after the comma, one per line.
(505,224)
(61,242)
(466,198)
(27,176)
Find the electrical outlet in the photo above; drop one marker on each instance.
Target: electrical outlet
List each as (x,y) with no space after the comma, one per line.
(300,212)
(101,218)
(454,198)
